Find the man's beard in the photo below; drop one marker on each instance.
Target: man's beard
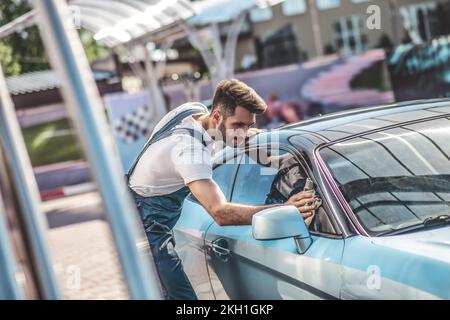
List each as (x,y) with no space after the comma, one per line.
(227,141)
(232,139)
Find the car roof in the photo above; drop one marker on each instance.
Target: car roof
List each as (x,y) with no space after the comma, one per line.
(345,124)
(342,125)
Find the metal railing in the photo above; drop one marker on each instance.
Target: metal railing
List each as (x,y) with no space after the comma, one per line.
(27,192)
(87,112)
(80,93)
(9,290)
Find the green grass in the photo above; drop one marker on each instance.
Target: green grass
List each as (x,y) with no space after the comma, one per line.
(375,77)
(52,142)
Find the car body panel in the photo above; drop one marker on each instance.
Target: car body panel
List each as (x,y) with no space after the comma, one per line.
(377,268)
(354,266)
(273,269)
(189,236)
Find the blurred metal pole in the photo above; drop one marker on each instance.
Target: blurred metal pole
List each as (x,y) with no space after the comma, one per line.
(393,10)
(9,290)
(83,101)
(27,191)
(316,28)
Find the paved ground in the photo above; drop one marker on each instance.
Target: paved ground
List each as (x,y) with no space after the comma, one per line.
(85,259)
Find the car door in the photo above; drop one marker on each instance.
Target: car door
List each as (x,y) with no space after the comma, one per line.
(244,268)
(190,232)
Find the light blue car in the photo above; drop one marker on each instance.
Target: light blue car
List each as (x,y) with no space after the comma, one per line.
(382,231)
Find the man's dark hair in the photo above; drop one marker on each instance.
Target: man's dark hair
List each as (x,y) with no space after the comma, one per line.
(233,93)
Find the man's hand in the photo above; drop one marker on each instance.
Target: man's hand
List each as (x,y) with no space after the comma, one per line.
(304,201)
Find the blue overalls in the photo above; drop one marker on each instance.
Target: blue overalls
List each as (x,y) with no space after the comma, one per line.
(159,214)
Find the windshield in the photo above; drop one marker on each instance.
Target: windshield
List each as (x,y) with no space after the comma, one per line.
(397,178)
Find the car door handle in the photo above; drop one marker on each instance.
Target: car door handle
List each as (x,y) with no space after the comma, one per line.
(220,247)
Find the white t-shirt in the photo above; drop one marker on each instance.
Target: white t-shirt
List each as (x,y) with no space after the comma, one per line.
(171,163)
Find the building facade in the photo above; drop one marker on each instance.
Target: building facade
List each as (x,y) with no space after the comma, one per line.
(318,27)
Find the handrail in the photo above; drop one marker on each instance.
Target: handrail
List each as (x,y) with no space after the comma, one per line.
(27,191)
(9,290)
(83,102)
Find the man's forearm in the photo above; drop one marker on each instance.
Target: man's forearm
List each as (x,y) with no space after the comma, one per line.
(232,214)
(225,213)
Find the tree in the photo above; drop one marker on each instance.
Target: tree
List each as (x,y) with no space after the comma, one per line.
(10,67)
(93,49)
(24,52)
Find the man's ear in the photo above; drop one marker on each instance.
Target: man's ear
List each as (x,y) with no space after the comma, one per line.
(217,116)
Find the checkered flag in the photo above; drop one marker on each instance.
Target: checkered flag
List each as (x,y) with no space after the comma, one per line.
(133,126)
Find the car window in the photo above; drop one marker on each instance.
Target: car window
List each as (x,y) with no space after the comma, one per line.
(395,178)
(253,181)
(223,175)
(269,177)
(273,177)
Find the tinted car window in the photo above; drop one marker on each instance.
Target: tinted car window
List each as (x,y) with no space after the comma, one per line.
(395,178)
(270,181)
(258,183)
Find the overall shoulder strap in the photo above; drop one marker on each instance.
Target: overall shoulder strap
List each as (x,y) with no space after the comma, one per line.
(163,132)
(175,121)
(188,131)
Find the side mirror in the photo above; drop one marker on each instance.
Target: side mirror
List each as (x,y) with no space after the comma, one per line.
(281,223)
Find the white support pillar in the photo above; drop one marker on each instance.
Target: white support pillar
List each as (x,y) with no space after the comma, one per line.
(201,40)
(231,44)
(219,62)
(154,90)
(317,33)
(150,76)
(160,66)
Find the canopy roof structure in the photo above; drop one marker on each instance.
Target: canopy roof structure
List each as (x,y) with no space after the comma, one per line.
(119,21)
(42,80)
(116,22)
(219,11)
